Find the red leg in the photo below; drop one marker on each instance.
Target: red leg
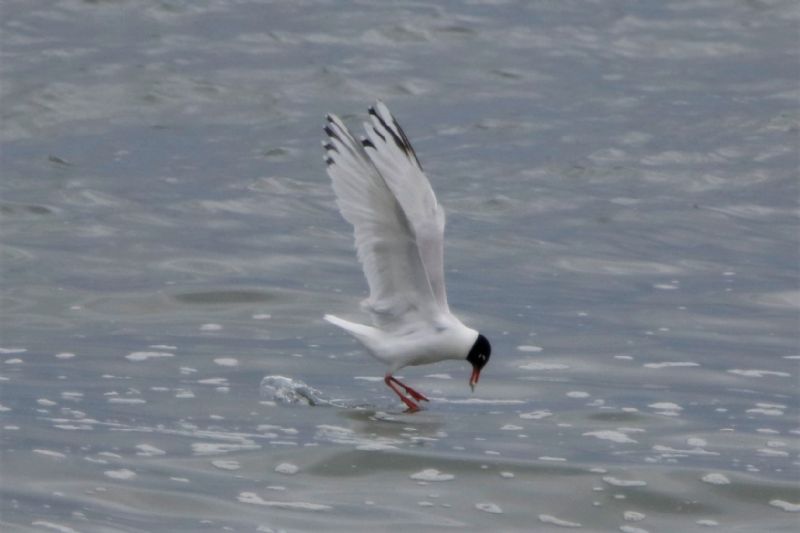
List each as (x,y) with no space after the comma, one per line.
(412,407)
(414,394)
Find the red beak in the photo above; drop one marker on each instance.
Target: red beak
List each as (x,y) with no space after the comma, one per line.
(476,374)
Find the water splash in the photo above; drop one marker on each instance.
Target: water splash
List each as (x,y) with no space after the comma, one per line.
(290,391)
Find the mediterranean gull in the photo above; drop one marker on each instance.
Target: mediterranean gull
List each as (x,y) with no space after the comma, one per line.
(383,192)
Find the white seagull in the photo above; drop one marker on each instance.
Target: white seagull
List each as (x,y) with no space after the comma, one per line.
(399,232)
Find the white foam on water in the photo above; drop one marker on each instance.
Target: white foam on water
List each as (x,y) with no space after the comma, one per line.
(529,348)
(74,427)
(671,364)
(148,450)
(616,482)
(210,327)
(765,411)
(785,506)
(52,525)
(213,381)
(772,452)
(129,401)
(511,427)
(550,519)
(633,516)
(122,473)
(707,523)
(632,430)
(4,351)
(665,406)
(110,454)
(754,373)
(144,356)
(488,507)
(288,469)
(431,474)
(715,478)
(771,405)
(50,453)
(610,434)
(64,355)
(255,499)
(507,475)
(692,451)
(216,448)
(226,464)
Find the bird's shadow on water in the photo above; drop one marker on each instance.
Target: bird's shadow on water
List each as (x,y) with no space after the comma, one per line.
(376,418)
(372,426)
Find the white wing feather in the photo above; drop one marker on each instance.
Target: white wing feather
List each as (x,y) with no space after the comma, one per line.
(395,159)
(400,290)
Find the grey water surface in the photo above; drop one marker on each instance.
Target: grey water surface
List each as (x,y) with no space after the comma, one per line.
(621,184)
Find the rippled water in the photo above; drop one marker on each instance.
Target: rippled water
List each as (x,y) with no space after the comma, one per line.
(621,186)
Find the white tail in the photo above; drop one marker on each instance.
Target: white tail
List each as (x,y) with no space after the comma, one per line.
(359,331)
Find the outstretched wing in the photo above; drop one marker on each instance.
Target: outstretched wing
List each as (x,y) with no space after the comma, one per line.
(393,156)
(400,293)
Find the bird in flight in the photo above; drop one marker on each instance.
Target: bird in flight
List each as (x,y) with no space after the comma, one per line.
(383,192)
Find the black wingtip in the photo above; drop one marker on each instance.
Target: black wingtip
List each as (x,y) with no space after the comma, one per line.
(328,161)
(397,139)
(379,134)
(366,143)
